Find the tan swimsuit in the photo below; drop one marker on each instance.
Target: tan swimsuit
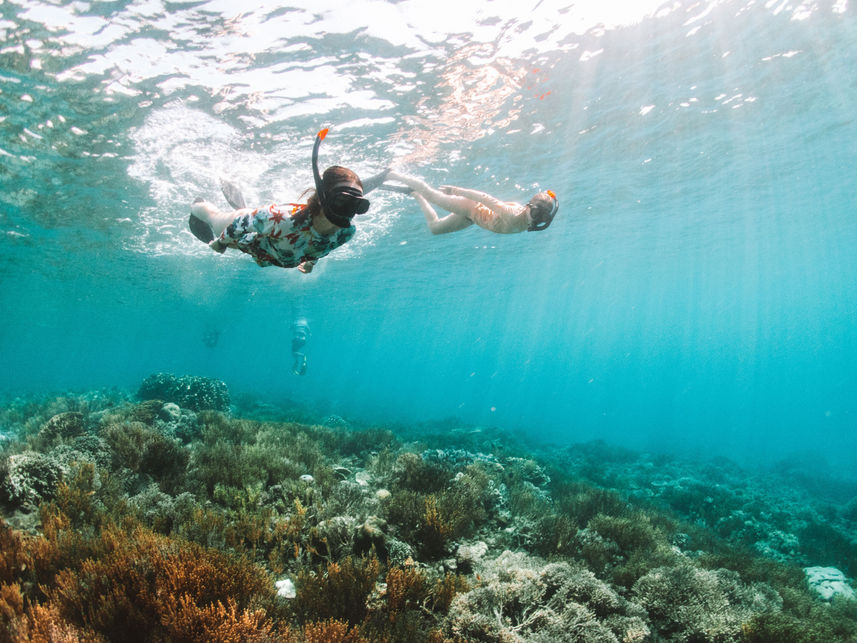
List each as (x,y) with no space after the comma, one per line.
(485,217)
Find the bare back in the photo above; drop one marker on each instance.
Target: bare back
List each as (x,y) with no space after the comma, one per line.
(508,219)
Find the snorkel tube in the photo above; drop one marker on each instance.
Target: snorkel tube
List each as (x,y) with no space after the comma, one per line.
(319,189)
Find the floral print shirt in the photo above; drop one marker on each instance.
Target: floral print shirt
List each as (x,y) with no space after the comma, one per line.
(281,235)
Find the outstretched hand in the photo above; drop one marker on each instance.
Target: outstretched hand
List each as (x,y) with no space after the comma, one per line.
(306,267)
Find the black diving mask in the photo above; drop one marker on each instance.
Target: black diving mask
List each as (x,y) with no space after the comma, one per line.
(342,201)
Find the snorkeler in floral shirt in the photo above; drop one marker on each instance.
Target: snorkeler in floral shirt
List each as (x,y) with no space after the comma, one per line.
(288,235)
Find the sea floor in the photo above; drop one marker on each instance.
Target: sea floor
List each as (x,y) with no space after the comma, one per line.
(175,513)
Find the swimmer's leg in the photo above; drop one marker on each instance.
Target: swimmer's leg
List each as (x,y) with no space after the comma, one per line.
(450,223)
(401,189)
(232,193)
(455,204)
(205,215)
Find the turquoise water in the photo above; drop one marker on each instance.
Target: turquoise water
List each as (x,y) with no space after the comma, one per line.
(695,293)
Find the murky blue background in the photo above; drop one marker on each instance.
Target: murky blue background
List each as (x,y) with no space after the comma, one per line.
(697,291)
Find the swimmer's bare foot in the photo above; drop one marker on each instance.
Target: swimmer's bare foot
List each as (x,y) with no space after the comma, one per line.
(205,214)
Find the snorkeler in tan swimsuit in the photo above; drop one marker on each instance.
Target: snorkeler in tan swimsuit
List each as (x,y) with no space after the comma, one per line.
(467,207)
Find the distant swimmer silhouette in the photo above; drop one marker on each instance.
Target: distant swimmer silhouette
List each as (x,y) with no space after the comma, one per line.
(467,207)
(300,334)
(290,235)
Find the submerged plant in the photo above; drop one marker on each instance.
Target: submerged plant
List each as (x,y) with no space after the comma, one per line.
(337,591)
(128,587)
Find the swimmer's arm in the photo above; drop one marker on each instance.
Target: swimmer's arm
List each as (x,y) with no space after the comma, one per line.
(341,237)
(482,197)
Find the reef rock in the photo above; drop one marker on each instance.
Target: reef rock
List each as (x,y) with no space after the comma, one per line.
(170,412)
(286,588)
(189,392)
(829,582)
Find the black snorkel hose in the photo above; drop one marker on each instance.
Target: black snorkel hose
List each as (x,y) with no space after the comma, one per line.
(319,190)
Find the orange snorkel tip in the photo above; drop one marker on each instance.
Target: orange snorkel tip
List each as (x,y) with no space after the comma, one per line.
(551,194)
(322,134)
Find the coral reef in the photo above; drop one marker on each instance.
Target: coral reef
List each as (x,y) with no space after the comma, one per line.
(169,519)
(29,478)
(687,603)
(520,598)
(189,391)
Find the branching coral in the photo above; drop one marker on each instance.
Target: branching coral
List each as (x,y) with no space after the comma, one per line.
(689,604)
(521,599)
